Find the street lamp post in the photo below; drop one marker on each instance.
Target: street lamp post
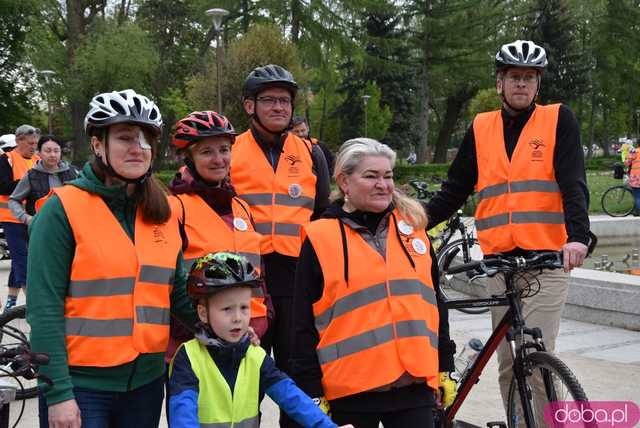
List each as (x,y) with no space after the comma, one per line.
(47,75)
(217,14)
(365,99)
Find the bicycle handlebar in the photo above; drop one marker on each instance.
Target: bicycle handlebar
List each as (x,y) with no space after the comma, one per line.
(491,266)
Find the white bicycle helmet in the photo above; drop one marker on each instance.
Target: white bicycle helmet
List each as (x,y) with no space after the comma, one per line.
(126,106)
(521,53)
(7,141)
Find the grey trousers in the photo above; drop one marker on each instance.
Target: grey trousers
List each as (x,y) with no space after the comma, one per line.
(542,310)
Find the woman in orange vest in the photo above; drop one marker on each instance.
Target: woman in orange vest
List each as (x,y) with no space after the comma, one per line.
(100,307)
(633,162)
(370,335)
(211,217)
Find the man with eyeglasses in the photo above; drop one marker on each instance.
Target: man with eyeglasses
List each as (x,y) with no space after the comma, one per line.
(13,165)
(525,163)
(285,181)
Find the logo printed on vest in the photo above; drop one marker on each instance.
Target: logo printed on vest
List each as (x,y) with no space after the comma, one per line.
(158,235)
(293,171)
(295,190)
(537,152)
(293,159)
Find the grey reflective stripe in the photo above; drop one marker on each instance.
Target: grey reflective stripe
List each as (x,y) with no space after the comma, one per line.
(302,201)
(287,229)
(189,262)
(493,190)
(398,287)
(152,315)
(416,328)
(366,340)
(349,303)
(253,258)
(98,328)
(403,287)
(101,287)
(263,228)
(534,186)
(157,274)
(537,217)
(253,422)
(257,198)
(257,292)
(493,221)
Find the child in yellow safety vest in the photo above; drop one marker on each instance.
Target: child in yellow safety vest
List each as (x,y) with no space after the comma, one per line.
(218,377)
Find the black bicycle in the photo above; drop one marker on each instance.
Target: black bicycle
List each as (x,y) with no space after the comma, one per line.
(618,201)
(14,334)
(17,365)
(530,358)
(463,249)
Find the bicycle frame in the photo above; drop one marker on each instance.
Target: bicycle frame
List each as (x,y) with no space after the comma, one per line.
(512,320)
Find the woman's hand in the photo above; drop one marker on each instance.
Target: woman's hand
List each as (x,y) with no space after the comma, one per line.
(64,415)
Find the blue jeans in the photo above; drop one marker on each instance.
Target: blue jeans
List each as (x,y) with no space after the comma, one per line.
(16,235)
(139,408)
(636,197)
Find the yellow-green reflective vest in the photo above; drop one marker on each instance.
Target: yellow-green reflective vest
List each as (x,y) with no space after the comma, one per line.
(217,408)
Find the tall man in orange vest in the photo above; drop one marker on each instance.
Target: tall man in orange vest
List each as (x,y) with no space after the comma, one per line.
(285,181)
(13,165)
(526,164)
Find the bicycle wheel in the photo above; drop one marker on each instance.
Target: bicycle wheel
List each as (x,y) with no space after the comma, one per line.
(452,254)
(559,384)
(15,331)
(618,201)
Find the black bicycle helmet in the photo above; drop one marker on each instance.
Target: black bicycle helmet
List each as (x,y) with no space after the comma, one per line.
(521,53)
(267,76)
(126,106)
(219,271)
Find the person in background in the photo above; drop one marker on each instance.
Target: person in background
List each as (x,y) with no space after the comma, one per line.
(633,162)
(101,307)
(7,143)
(49,172)
(13,166)
(216,378)
(301,129)
(371,334)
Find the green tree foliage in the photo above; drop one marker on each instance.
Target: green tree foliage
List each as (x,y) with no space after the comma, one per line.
(485,100)
(262,45)
(378,115)
(15,91)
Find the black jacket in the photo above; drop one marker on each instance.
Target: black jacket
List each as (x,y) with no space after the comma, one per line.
(304,365)
(568,160)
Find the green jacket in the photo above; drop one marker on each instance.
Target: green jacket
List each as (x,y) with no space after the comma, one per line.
(51,252)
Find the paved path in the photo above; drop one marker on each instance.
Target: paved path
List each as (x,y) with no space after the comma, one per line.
(606,360)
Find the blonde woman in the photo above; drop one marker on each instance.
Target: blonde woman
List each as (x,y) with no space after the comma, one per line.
(369,330)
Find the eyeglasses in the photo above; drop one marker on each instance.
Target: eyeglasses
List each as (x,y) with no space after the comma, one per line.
(271,101)
(526,78)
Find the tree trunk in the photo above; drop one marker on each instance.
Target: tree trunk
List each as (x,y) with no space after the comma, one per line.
(605,126)
(455,103)
(76,24)
(592,124)
(423,140)
(324,115)
(295,21)
(245,16)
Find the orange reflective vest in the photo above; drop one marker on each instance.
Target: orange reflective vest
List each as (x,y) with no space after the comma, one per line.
(519,201)
(19,166)
(384,322)
(281,201)
(117,305)
(208,233)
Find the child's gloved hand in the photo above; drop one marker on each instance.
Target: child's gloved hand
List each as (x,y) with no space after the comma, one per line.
(323,404)
(448,389)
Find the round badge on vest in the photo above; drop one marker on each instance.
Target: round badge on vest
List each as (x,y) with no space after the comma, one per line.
(240,224)
(405,228)
(295,190)
(419,245)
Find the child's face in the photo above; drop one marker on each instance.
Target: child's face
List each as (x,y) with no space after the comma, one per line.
(228,313)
